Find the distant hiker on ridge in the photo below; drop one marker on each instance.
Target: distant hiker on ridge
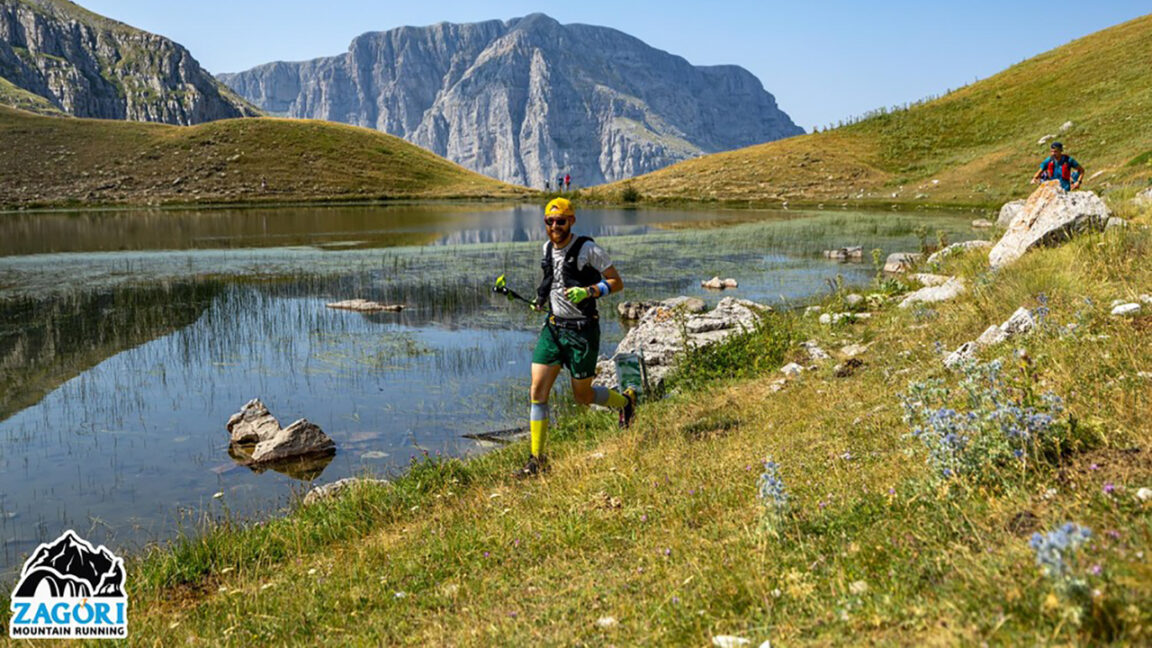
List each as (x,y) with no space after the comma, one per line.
(1060,167)
(577,272)
(567,181)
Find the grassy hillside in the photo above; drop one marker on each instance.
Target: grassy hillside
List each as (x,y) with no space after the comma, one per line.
(661,534)
(64,161)
(977,145)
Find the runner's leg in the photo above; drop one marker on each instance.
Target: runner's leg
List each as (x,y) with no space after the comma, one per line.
(543,377)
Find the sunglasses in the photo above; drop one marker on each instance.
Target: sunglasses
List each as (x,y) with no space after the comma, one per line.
(555,221)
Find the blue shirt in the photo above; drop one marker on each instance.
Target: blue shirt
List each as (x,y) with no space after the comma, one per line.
(1056,172)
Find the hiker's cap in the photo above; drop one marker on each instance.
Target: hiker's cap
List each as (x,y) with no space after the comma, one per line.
(559,207)
(1057,146)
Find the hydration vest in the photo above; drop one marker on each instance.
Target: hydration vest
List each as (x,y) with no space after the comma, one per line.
(1065,168)
(570,275)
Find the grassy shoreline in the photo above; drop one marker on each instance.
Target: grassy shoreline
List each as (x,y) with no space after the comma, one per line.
(657,535)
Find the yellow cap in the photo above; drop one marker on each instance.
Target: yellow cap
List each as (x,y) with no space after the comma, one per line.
(559,207)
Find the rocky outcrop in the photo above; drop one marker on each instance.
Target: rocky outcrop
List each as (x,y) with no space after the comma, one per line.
(936,289)
(1050,216)
(90,66)
(364,306)
(527,100)
(665,332)
(340,487)
(956,248)
(254,424)
(902,261)
(1009,211)
(1020,323)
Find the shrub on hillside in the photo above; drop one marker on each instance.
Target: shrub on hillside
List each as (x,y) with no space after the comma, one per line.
(987,425)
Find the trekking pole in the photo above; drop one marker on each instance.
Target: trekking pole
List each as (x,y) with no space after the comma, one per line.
(501,287)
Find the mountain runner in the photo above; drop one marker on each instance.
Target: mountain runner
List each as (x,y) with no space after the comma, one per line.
(1060,167)
(567,181)
(577,272)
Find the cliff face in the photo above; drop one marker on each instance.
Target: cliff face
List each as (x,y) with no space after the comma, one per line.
(89,66)
(528,99)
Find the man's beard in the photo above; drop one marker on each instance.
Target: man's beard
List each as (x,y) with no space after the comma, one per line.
(558,236)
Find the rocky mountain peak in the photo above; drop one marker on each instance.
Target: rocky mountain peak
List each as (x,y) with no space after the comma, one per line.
(86,65)
(528,99)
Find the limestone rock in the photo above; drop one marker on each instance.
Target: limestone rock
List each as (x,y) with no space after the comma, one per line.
(1126,310)
(686,304)
(1115,222)
(1144,197)
(852,253)
(960,355)
(950,289)
(853,350)
(630,310)
(902,261)
(365,306)
(337,487)
(252,423)
(298,439)
(1009,212)
(527,99)
(791,370)
(836,318)
(815,352)
(1050,216)
(88,66)
(664,332)
(1020,323)
(956,248)
(716,283)
(928,279)
(982,223)
(853,299)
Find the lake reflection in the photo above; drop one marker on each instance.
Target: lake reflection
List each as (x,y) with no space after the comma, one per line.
(128,339)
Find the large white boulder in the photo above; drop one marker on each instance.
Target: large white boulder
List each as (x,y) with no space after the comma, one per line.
(1050,216)
(935,292)
(1009,212)
(956,248)
(252,424)
(902,261)
(299,439)
(663,332)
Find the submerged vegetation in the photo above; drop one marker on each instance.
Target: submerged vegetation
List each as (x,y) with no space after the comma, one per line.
(1007,502)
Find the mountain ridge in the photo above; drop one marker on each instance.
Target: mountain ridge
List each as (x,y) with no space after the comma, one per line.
(527,99)
(86,65)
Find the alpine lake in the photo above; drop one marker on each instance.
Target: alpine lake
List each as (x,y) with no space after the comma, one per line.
(128,338)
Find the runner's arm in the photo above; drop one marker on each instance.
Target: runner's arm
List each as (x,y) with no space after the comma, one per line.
(612,278)
(1080,178)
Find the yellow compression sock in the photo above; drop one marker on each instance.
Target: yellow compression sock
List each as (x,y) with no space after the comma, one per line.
(538,427)
(609,398)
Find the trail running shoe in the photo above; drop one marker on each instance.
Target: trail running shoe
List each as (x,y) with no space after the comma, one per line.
(535,466)
(629,411)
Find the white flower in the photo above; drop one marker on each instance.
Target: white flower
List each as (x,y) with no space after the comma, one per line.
(1144,494)
(858,587)
(606,621)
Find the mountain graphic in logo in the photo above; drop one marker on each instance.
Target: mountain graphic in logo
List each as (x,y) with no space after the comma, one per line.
(71,567)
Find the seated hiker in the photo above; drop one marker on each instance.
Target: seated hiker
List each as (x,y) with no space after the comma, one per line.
(1060,167)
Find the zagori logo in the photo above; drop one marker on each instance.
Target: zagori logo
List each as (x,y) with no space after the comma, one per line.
(68,589)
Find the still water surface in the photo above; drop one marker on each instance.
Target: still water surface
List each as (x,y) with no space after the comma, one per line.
(128,338)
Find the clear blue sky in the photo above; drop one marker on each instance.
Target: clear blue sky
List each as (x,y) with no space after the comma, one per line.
(823,60)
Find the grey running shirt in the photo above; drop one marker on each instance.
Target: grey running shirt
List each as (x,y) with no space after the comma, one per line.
(590,254)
